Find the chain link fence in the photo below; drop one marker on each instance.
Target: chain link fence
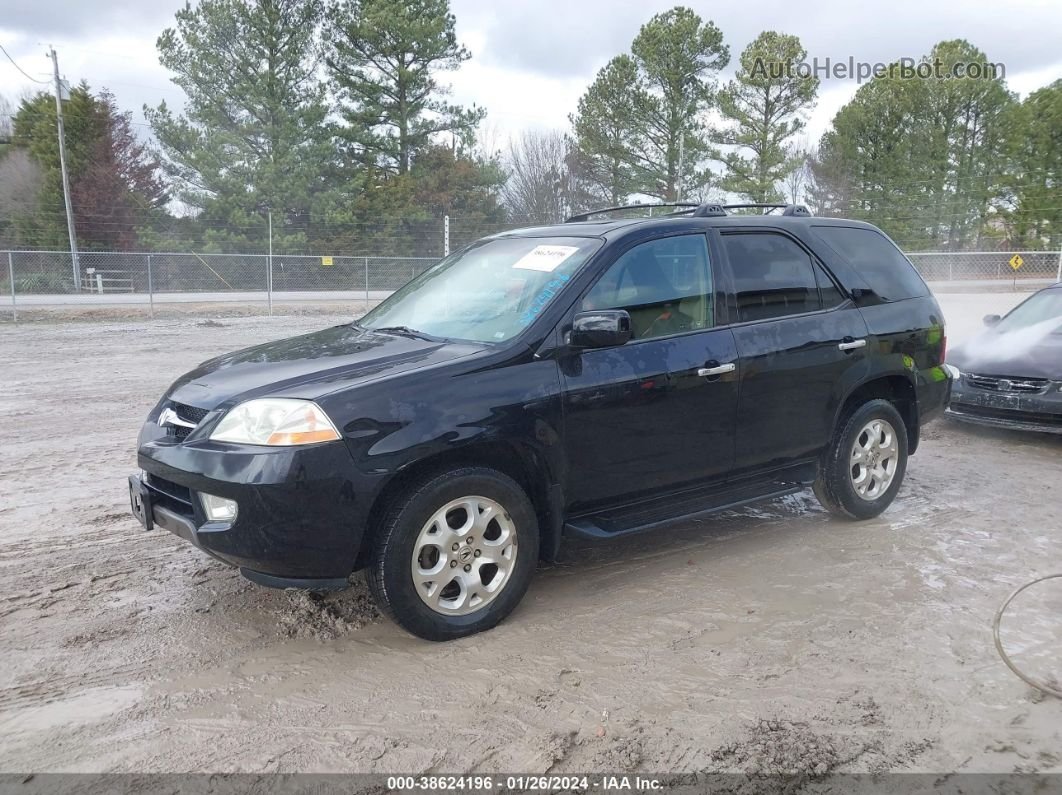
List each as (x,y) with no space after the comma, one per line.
(988,266)
(46,278)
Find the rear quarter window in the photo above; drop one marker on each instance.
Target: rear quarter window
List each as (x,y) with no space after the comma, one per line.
(884,268)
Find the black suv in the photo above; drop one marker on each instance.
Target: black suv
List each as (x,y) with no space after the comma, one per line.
(591,379)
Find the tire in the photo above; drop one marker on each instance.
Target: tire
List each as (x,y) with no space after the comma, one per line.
(440,593)
(850,484)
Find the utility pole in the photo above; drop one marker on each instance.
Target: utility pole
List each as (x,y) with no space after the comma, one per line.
(62,167)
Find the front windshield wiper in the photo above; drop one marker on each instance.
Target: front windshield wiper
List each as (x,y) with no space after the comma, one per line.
(405,331)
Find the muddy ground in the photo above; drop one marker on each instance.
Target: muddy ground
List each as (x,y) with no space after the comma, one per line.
(772,638)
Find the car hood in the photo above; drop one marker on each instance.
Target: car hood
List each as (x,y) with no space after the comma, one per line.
(311,365)
(1016,353)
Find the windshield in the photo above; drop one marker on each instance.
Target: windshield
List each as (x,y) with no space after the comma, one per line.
(489,292)
(1041,308)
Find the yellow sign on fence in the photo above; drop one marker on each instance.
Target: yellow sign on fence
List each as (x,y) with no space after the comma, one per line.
(1016,261)
(326,261)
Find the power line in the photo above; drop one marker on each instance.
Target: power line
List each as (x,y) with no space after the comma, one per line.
(24,72)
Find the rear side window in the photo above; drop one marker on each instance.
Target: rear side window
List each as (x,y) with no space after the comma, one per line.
(773,276)
(885,270)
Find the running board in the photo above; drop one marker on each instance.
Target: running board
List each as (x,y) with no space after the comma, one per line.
(650,514)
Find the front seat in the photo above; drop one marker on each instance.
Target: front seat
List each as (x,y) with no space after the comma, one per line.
(655,310)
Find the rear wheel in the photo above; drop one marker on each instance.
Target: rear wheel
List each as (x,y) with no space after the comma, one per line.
(864,467)
(455,553)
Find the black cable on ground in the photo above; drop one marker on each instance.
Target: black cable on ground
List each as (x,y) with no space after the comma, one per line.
(1041,686)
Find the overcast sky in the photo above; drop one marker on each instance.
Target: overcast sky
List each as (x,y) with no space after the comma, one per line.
(532,60)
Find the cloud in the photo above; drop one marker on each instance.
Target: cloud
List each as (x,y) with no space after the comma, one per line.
(45,19)
(565,39)
(553,39)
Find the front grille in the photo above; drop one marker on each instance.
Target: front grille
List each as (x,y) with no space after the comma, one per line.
(1010,415)
(1000,383)
(171,495)
(188,414)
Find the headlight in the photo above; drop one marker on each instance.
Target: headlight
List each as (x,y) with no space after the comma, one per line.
(953,372)
(276,421)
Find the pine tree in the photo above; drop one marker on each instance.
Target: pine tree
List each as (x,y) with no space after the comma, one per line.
(766,104)
(1032,199)
(606,131)
(678,56)
(639,127)
(253,136)
(385,58)
(922,158)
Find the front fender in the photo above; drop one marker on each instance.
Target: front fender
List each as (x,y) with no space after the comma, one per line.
(392,427)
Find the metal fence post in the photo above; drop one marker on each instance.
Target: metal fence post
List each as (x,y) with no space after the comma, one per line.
(151,289)
(11,275)
(269,274)
(446,236)
(366,284)
(1058,276)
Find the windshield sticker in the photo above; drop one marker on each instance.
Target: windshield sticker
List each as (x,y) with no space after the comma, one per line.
(544,258)
(545,295)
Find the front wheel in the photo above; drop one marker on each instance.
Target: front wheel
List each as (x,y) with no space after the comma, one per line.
(863,469)
(455,553)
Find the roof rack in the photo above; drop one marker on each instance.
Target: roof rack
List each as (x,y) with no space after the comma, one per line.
(695,210)
(586,216)
(704,211)
(787,209)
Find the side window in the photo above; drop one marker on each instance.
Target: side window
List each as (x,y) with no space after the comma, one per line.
(886,270)
(773,276)
(665,285)
(828,291)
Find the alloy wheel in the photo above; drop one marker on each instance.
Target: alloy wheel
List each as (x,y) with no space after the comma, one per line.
(875,455)
(464,555)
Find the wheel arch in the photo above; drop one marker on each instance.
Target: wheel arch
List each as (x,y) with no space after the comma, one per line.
(898,389)
(520,461)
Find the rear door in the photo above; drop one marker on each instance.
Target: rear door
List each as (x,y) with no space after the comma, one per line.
(643,417)
(801,345)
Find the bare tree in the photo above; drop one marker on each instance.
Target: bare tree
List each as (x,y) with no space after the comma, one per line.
(798,176)
(488,144)
(537,188)
(7,118)
(20,188)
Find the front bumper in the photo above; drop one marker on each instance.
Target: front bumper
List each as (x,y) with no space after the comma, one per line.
(1040,412)
(300,519)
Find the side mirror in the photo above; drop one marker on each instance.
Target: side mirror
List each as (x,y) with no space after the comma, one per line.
(605,328)
(991,320)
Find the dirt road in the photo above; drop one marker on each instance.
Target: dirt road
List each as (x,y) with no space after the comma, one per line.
(765,639)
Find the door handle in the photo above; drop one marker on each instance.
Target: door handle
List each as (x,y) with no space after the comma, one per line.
(851,345)
(719,370)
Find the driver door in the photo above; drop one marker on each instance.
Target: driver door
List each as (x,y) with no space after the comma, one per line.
(646,416)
